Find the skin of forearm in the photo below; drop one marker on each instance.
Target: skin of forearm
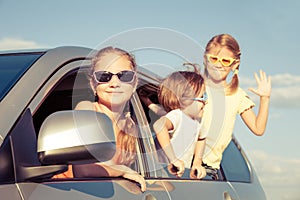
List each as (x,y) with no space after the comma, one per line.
(161,128)
(113,170)
(262,117)
(199,151)
(164,141)
(169,151)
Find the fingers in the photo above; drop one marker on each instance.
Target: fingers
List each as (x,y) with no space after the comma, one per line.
(198,173)
(177,168)
(263,84)
(202,173)
(256,78)
(172,169)
(253,90)
(193,173)
(142,182)
(137,178)
(180,172)
(262,75)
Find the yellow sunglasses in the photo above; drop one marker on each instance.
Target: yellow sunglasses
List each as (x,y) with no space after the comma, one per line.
(226,62)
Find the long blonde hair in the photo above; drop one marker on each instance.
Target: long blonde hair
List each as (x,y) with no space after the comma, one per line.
(226,41)
(127,136)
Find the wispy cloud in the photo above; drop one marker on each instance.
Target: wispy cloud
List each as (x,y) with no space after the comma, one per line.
(279,176)
(16,43)
(285,90)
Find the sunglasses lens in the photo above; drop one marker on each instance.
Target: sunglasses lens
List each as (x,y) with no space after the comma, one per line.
(126,76)
(204,97)
(213,59)
(103,76)
(123,76)
(227,62)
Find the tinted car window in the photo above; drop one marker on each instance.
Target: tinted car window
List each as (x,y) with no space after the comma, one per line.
(12,67)
(71,89)
(234,165)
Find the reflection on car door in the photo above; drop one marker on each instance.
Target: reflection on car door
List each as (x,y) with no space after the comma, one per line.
(115,188)
(198,189)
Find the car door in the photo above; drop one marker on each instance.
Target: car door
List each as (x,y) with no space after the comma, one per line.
(62,91)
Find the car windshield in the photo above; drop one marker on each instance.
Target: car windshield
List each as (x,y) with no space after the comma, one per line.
(12,67)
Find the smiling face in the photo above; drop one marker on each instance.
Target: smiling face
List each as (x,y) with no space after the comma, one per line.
(217,72)
(114,93)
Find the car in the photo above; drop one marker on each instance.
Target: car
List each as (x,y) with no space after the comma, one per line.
(40,134)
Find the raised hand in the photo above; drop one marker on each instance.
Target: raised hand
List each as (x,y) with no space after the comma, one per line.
(263,85)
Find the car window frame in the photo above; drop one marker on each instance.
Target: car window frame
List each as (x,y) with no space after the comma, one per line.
(55,81)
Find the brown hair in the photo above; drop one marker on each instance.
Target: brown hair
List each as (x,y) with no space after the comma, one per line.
(127,135)
(179,86)
(226,41)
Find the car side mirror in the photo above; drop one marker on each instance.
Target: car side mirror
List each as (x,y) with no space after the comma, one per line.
(76,136)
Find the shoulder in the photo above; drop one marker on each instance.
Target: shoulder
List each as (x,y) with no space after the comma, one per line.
(162,123)
(85,105)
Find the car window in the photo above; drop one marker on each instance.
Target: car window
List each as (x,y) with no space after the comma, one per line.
(234,164)
(70,89)
(66,94)
(12,67)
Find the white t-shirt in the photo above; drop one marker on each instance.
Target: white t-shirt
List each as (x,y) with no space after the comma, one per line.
(184,135)
(218,120)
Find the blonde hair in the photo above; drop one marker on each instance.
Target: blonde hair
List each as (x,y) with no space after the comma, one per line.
(179,86)
(127,135)
(228,42)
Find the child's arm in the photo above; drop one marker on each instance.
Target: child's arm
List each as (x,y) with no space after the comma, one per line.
(257,124)
(156,108)
(161,128)
(197,170)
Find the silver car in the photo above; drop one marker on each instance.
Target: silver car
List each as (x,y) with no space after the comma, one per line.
(40,134)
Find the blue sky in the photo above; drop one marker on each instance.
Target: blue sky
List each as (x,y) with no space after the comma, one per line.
(267,31)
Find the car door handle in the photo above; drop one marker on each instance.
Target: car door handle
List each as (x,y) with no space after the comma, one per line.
(149,197)
(227,196)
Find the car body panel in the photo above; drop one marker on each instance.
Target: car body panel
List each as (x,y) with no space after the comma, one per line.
(123,189)
(10,191)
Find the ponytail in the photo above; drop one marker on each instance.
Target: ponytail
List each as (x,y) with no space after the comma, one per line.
(127,138)
(234,84)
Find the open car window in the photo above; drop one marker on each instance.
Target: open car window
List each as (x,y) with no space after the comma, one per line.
(72,88)
(69,90)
